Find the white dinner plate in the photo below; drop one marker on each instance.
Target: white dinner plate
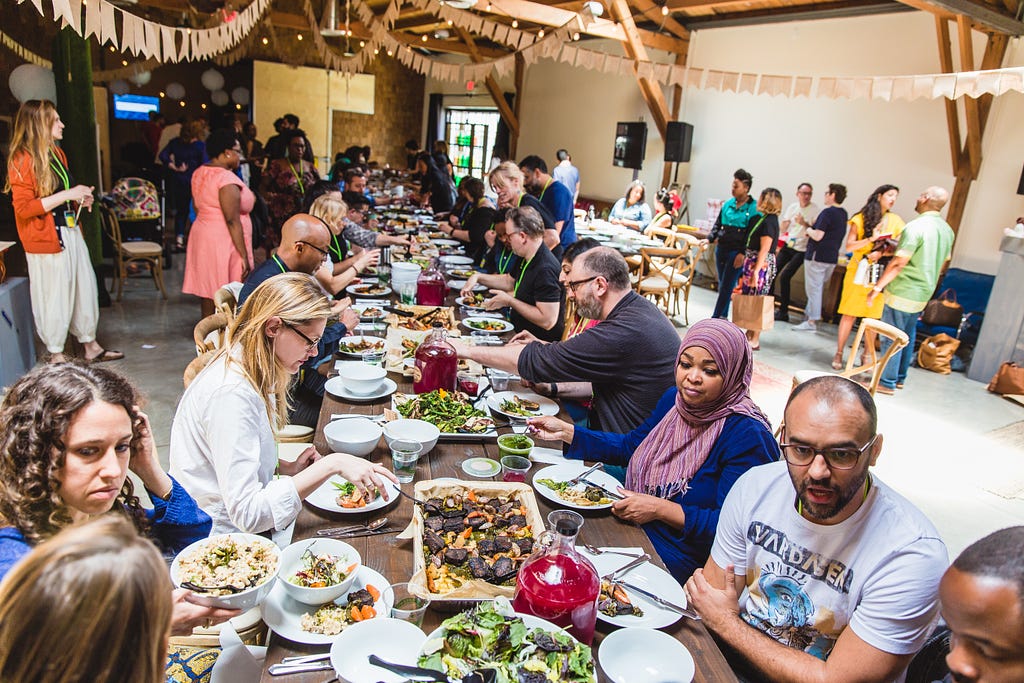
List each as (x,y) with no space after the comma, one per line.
(661,657)
(336,387)
(566,472)
(355,339)
(284,615)
(326,495)
(648,576)
(456,261)
(506,326)
(360,290)
(392,640)
(547,406)
(531,622)
(445,242)
(457,285)
(462,273)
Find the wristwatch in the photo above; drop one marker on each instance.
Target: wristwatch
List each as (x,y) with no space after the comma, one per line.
(554,389)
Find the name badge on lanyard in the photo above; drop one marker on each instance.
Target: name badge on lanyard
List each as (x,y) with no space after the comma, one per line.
(70,219)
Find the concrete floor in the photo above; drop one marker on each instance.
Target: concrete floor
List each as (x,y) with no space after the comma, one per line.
(937,452)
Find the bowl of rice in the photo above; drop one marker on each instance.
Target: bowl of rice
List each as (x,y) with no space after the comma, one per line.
(317,571)
(238,569)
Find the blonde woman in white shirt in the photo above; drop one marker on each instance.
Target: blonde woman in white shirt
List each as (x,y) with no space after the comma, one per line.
(223,449)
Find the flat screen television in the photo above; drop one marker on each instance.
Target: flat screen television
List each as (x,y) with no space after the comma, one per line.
(135,107)
(630,144)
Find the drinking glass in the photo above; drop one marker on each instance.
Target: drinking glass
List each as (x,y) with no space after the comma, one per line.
(514,468)
(383,274)
(404,455)
(404,604)
(374,356)
(469,383)
(407,292)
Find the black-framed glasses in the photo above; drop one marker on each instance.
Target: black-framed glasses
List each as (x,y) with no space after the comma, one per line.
(573,285)
(803,455)
(310,343)
(326,254)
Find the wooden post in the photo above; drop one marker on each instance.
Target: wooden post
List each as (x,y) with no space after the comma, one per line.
(649,89)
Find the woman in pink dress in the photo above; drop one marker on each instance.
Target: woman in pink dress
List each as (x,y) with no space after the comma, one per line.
(220,244)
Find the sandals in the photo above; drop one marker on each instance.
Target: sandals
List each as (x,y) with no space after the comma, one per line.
(107,355)
(837,361)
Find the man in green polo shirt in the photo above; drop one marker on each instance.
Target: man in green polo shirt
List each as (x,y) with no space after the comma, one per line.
(910,279)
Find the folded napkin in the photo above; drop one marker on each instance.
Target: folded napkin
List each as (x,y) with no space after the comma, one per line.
(238,663)
(551,456)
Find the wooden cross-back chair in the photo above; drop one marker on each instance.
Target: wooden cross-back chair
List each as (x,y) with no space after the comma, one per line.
(125,253)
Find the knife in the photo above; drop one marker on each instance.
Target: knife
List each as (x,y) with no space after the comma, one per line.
(660,601)
(611,576)
(611,494)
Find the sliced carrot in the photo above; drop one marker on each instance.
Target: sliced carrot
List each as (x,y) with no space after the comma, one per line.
(355,613)
(619,594)
(374,593)
(351,568)
(467,532)
(368,612)
(474,513)
(471,496)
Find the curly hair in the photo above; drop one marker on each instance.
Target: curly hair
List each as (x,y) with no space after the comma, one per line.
(872,209)
(36,414)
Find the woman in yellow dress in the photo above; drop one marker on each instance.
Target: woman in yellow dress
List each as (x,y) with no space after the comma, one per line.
(882,225)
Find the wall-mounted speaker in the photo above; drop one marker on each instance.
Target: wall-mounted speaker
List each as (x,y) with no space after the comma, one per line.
(678,141)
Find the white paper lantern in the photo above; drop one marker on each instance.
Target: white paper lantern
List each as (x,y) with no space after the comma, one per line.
(220,98)
(241,96)
(32,82)
(119,87)
(175,91)
(141,78)
(212,79)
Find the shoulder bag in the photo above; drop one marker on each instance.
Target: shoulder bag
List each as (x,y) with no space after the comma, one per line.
(943,311)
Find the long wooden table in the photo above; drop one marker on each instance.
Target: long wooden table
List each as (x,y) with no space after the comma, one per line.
(393,558)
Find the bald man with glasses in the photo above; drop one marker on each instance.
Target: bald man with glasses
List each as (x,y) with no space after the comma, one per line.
(842,573)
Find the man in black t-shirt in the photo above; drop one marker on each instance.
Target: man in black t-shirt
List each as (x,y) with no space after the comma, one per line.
(532,290)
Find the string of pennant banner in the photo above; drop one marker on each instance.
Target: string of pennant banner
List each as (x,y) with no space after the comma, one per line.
(232,40)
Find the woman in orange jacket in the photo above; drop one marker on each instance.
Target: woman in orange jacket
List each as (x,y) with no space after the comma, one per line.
(47,205)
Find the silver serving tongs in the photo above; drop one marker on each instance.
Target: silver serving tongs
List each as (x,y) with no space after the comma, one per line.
(303,664)
(354,528)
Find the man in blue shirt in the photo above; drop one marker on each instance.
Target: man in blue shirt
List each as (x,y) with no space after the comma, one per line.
(553,195)
(566,173)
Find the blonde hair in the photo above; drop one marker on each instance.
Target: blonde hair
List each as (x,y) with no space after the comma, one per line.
(504,172)
(91,604)
(770,201)
(33,135)
(296,299)
(330,210)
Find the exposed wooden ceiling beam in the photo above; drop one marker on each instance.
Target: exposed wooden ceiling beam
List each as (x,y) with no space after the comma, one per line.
(650,90)
(952,114)
(740,16)
(450,46)
(983,16)
(506,113)
(653,12)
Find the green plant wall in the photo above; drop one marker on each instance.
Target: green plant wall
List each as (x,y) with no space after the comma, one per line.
(72,69)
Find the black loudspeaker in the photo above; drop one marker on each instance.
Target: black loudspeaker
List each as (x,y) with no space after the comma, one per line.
(630,144)
(678,141)
(1020,186)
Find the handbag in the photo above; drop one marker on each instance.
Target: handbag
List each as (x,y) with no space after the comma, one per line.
(943,311)
(753,311)
(860,277)
(936,353)
(1009,379)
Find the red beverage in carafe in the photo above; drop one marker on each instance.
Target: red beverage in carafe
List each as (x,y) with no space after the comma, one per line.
(437,364)
(558,584)
(430,287)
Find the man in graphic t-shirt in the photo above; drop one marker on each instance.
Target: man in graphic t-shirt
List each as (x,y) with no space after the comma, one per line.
(842,572)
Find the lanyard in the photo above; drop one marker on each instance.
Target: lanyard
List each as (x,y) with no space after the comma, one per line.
(753,230)
(336,250)
(520,201)
(521,274)
(546,186)
(578,327)
(504,262)
(279,264)
(58,167)
(298,176)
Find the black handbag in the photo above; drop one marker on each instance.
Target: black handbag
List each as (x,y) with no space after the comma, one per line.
(943,311)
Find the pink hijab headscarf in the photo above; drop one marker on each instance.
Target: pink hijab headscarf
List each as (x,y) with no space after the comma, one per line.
(665,462)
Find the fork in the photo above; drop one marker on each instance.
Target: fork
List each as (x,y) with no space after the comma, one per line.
(594,550)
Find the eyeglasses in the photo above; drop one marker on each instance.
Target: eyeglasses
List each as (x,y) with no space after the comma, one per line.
(836,458)
(310,343)
(573,285)
(326,254)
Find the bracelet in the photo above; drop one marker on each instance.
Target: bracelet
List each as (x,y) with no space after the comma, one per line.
(554,389)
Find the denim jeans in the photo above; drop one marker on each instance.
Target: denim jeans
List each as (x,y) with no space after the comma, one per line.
(728,276)
(896,369)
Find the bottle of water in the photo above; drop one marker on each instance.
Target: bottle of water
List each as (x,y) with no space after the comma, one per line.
(590,214)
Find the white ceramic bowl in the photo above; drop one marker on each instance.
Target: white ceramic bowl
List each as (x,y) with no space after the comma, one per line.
(356,435)
(664,658)
(419,431)
(362,379)
(393,640)
(291,562)
(248,598)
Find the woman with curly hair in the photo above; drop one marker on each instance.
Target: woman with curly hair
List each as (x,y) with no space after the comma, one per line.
(71,434)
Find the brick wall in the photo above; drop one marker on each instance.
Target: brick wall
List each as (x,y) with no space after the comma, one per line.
(398,114)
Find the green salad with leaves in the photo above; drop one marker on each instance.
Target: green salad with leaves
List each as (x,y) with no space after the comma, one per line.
(491,636)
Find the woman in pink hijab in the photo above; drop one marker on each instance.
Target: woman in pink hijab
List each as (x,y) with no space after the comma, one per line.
(681,462)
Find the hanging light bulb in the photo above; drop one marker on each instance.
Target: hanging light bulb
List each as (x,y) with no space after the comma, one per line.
(265,40)
(203,105)
(540,33)
(124,62)
(162,94)
(424,38)
(664,11)
(488,7)
(515,23)
(362,43)
(181,103)
(298,37)
(390,53)
(576,36)
(113,49)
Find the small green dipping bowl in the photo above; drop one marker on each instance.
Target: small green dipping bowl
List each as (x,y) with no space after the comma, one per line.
(515,444)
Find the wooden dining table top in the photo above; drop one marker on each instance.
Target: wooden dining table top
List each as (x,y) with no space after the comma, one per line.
(393,558)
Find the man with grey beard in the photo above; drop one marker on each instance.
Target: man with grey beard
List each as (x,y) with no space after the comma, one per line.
(625,363)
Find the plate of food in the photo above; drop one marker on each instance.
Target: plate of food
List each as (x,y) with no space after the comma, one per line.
(369,313)
(458,286)
(355,345)
(368,289)
(245,563)
(423,317)
(554,484)
(462,273)
(619,605)
(474,301)
(453,412)
(520,405)
(449,261)
(445,242)
(340,495)
(521,647)
(486,324)
(321,625)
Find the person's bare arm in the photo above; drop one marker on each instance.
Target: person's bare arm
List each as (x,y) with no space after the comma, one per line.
(230,197)
(897,264)
(501,357)
(552,238)
(543,313)
(492,281)
(714,594)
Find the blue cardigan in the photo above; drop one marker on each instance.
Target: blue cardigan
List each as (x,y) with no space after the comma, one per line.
(176,523)
(744,443)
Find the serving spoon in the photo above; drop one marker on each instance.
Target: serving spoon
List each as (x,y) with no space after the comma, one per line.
(196,588)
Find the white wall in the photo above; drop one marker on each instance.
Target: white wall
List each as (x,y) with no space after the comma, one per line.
(784,141)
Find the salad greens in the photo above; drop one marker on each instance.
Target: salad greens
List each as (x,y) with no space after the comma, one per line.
(491,636)
(449,411)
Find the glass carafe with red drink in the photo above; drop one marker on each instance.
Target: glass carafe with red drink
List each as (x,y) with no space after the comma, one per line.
(430,286)
(557,583)
(437,364)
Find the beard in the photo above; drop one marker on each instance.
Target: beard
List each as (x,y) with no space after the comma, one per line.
(588,307)
(842,496)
